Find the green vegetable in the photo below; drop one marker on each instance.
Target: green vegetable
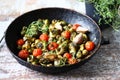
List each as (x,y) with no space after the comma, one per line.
(35,27)
(108,11)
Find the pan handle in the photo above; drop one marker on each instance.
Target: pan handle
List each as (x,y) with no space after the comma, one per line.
(105,41)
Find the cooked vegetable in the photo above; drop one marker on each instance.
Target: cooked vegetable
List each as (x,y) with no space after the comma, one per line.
(82,29)
(23,54)
(55,43)
(52,46)
(84,52)
(89,45)
(20,42)
(72,61)
(51,57)
(67,55)
(75,26)
(79,54)
(44,37)
(78,39)
(37,52)
(66,34)
(58,26)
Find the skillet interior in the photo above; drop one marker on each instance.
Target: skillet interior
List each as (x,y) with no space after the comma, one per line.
(70,16)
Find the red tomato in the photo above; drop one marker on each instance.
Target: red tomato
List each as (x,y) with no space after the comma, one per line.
(75,26)
(23,54)
(44,37)
(67,55)
(89,45)
(66,34)
(20,42)
(52,46)
(37,52)
(72,61)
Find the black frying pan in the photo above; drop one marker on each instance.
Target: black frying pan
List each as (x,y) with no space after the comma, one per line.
(70,16)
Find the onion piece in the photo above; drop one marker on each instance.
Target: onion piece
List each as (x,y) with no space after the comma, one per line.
(82,29)
(78,39)
(58,26)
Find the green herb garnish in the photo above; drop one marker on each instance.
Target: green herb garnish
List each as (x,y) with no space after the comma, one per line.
(108,11)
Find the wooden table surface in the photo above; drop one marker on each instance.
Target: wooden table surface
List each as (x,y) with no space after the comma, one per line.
(105,65)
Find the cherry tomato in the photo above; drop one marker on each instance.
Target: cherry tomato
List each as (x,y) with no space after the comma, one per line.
(72,61)
(52,46)
(89,45)
(44,37)
(37,52)
(66,34)
(67,55)
(20,42)
(23,54)
(75,26)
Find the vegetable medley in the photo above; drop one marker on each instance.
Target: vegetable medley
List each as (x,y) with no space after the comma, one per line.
(54,43)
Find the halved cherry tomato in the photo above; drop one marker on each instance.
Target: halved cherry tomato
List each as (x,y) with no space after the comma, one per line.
(52,46)
(72,61)
(75,26)
(23,54)
(89,45)
(20,42)
(67,55)
(37,52)
(66,34)
(44,37)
